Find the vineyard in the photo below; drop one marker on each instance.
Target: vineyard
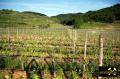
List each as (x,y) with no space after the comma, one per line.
(56,53)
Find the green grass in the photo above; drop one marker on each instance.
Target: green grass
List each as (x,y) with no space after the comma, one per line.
(98,25)
(23,19)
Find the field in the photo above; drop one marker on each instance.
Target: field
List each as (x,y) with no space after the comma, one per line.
(56,53)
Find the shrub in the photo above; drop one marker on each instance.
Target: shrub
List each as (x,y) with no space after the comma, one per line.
(74,75)
(10,63)
(46,74)
(58,72)
(92,67)
(79,68)
(33,76)
(41,67)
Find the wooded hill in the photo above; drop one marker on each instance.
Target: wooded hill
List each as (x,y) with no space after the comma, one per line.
(105,15)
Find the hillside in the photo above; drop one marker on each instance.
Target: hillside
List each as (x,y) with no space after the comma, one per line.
(10,18)
(109,14)
(103,17)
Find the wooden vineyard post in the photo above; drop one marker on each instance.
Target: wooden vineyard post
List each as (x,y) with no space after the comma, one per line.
(8,34)
(85,50)
(17,33)
(74,43)
(23,31)
(100,52)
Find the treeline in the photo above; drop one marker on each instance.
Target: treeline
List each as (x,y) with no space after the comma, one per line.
(67,19)
(7,11)
(106,15)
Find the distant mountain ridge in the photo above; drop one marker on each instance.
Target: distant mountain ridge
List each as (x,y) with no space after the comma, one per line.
(105,15)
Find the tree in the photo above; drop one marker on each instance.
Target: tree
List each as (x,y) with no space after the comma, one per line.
(78,23)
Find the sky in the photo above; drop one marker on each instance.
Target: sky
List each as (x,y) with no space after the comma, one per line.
(55,7)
